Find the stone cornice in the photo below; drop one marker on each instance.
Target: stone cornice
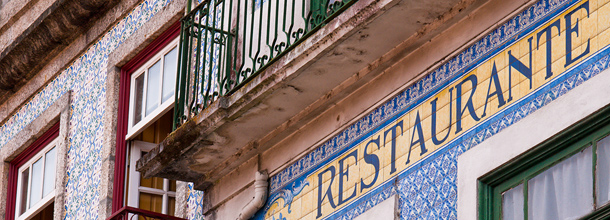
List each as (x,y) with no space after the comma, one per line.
(46,35)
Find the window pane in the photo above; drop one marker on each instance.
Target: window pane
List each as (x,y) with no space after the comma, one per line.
(603,171)
(152,87)
(172,185)
(46,213)
(171,203)
(155,182)
(564,191)
(49,172)
(512,203)
(24,190)
(36,186)
(139,101)
(170,69)
(151,202)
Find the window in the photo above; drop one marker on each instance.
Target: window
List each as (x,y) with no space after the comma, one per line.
(152,88)
(568,177)
(36,182)
(32,179)
(154,194)
(145,118)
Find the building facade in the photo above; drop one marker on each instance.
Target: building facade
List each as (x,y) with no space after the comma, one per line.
(274,109)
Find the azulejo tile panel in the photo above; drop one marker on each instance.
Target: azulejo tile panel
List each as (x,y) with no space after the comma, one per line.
(86,77)
(410,144)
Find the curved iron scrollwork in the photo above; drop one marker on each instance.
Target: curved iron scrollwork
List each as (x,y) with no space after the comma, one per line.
(224,43)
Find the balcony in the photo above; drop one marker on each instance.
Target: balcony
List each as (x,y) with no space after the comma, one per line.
(225,43)
(253,73)
(131,213)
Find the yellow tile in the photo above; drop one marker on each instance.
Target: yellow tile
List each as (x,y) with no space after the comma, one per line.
(310,216)
(386,132)
(559,46)
(368,180)
(500,60)
(307,202)
(517,77)
(593,4)
(348,159)
(440,136)
(416,155)
(603,17)
(442,119)
(588,27)
(601,3)
(604,37)
(524,46)
(275,216)
(402,143)
(327,175)
(334,187)
(524,88)
(443,98)
(558,66)
(583,49)
(503,77)
(413,115)
(539,58)
(464,101)
(430,147)
(386,153)
(351,179)
(466,86)
(385,171)
(593,43)
(514,51)
(425,128)
(313,183)
(483,71)
(425,110)
(326,209)
(366,169)
(467,123)
(515,93)
(481,93)
(539,78)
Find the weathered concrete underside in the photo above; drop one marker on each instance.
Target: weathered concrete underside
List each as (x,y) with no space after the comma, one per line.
(335,61)
(33,32)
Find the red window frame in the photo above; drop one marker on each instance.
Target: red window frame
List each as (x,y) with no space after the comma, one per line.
(21,159)
(123,110)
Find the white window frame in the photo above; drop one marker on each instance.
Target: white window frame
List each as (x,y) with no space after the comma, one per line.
(46,200)
(133,200)
(163,107)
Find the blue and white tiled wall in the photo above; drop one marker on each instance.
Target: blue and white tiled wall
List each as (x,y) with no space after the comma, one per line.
(86,77)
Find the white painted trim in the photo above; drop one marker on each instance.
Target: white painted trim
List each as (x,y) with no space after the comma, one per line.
(522,136)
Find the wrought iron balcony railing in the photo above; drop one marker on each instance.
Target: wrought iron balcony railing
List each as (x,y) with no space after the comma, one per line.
(131,213)
(224,43)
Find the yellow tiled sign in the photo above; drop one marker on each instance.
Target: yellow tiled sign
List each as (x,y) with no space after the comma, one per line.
(506,77)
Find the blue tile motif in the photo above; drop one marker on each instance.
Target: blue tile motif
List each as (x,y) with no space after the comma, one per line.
(86,77)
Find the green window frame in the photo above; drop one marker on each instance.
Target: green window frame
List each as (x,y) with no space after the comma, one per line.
(561,146)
